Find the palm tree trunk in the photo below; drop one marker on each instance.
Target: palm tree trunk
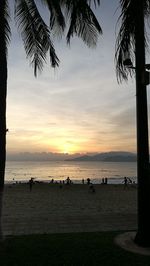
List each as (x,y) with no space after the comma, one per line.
(3,87)
(3,93)
(143,234)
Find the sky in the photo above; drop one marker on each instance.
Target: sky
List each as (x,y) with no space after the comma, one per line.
(76,108)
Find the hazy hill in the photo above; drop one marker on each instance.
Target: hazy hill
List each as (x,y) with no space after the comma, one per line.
(49,156)
(108,157)
(40,156)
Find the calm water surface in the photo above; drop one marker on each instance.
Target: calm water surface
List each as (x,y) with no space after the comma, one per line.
(60,170)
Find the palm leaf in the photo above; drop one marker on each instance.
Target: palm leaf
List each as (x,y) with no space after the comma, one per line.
(95,2)
(56,16)
(82,21)
(4,24)
(35,34)
(125,43)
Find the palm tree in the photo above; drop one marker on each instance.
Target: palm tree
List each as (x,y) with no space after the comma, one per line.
(130,47)
(130,44)
(37,42)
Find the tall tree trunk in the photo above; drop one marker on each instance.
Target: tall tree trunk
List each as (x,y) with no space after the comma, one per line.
(3,87)
(143,234)
(3,93)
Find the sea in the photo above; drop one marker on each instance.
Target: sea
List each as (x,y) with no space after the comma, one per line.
(45,171)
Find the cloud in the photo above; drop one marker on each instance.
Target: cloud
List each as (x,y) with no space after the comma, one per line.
(80,103)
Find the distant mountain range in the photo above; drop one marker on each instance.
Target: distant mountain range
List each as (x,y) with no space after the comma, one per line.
(40,156)
(113,156)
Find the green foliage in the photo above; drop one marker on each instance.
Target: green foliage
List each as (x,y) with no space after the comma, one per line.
(73,249)
(125,42)
(4,24)
(82,21)
(77,16)
(35,34)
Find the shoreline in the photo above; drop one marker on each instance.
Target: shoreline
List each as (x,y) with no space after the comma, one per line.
(96,181)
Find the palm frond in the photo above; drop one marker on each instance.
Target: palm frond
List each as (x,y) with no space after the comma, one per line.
(4,23)
(95,2)
(82,22)
(57,19)
(35,34)
(146,4)
(125,43)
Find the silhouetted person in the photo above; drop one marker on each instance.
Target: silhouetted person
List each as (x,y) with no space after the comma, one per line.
(83,181)
(102,181)
(130,181)
(125,182)
(68,181)
(91,188)
(31,182)
(106,181)
(60,184)
(88,181)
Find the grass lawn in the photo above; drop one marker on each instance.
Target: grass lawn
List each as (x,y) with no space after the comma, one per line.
(67,249)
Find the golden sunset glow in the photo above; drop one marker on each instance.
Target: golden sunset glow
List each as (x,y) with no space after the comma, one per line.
(64,146)
(60,141)
(79,108)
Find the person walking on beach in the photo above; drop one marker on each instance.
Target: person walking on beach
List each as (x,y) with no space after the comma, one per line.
(106,181)
(68,181)
(103,181)
(92,188)
(125,181)
(60,184)
(31,183)
(88,181)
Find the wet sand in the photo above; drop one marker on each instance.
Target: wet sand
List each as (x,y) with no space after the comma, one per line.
(73,208)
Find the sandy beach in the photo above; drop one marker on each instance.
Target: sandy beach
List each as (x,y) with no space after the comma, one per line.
(73,208)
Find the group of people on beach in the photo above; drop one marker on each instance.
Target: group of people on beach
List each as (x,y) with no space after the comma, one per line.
(104,181)
(68,181)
